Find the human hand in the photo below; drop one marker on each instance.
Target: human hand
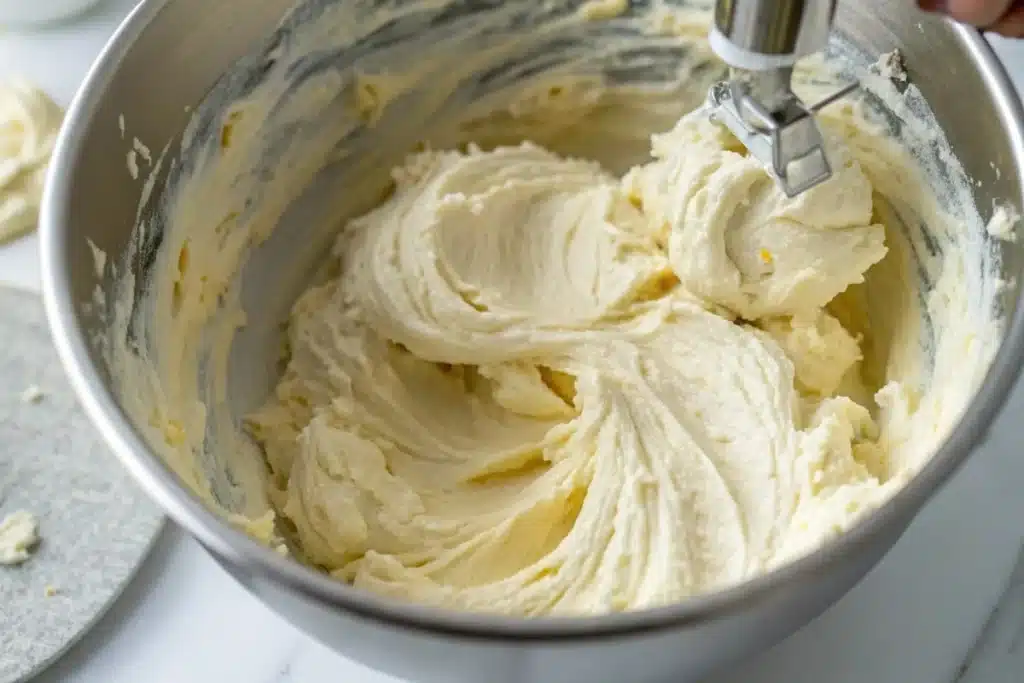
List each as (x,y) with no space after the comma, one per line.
(1005,17)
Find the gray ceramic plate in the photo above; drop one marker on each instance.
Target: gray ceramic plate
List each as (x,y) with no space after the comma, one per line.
(95,526)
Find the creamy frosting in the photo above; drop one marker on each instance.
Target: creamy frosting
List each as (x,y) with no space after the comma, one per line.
(737,241)
(19,534)
(29,123)
(558,376)
(506,402)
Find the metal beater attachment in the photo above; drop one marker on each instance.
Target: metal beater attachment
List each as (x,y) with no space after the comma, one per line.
(761,40)
(778,130)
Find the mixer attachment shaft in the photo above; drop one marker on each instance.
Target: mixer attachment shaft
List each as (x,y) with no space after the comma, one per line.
(761,40)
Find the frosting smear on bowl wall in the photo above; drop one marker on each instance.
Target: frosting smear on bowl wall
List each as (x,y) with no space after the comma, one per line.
(570,350)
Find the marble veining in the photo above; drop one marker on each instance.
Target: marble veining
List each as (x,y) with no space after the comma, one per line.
(284,670)
(998,654)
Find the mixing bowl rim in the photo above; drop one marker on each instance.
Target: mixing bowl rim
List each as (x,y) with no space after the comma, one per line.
(234,548)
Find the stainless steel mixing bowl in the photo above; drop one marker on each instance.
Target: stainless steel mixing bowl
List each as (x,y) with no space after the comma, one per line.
(164,59)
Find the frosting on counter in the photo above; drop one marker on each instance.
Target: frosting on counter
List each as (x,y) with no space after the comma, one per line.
(29,123)
(19,534)
(560,376)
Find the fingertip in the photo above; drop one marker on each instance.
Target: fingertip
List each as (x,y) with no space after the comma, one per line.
(981,13)
(1010,26)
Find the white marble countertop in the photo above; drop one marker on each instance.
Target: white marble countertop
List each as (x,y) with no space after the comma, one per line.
(946,605)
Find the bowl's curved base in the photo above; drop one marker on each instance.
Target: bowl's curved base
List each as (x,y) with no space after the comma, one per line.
(683,653)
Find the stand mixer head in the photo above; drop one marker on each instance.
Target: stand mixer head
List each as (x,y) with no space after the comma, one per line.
(761,41)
